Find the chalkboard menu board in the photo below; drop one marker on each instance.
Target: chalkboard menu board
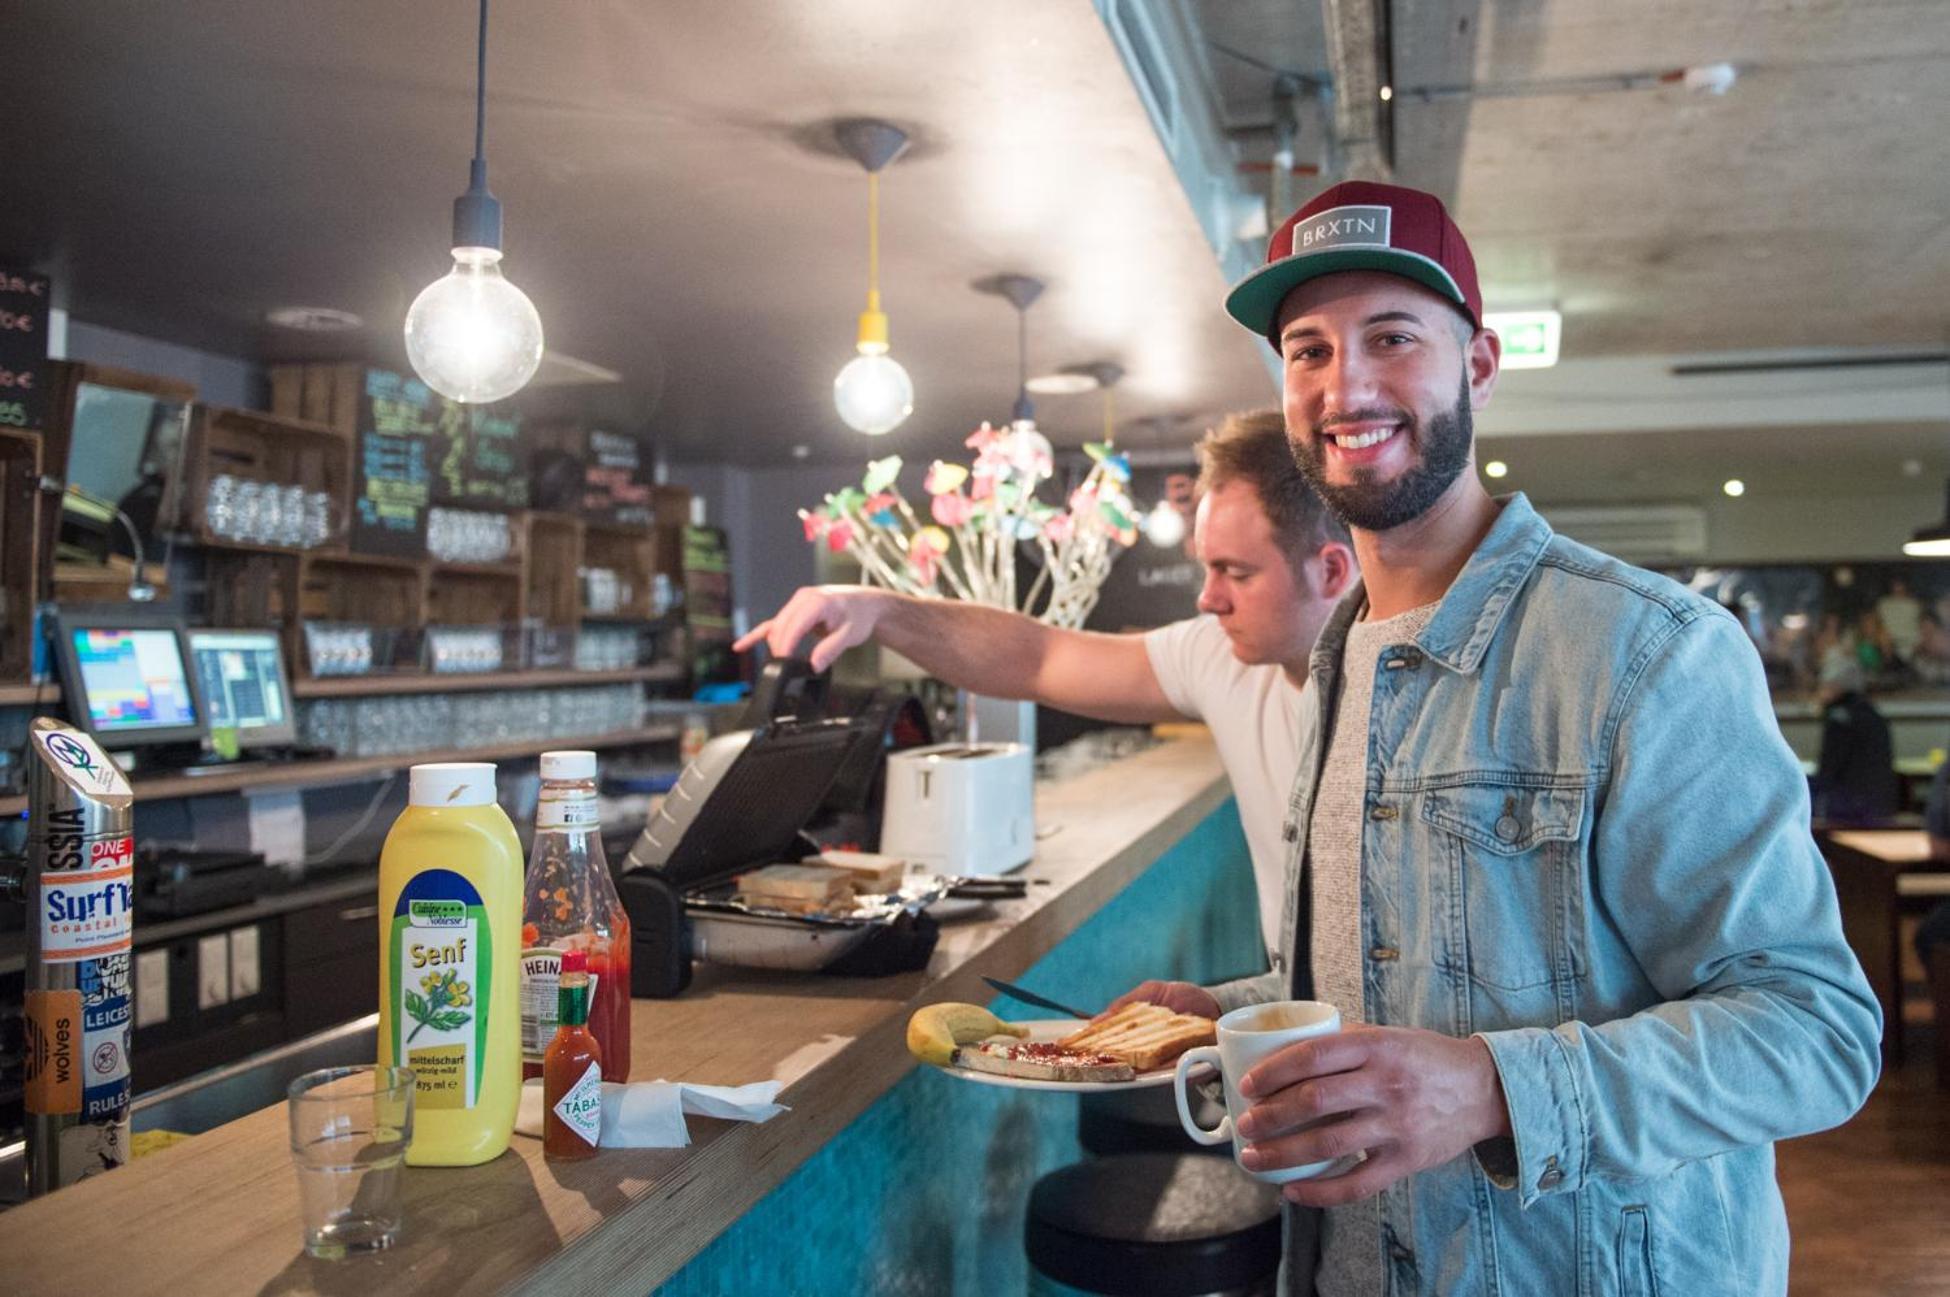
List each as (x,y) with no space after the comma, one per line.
(23,349)
(616,487)
(402,425)
(479,463)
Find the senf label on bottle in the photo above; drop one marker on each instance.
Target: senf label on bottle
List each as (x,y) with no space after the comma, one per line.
(581,1109)
(439,966)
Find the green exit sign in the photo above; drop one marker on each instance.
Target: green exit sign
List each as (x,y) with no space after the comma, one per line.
(1529,337)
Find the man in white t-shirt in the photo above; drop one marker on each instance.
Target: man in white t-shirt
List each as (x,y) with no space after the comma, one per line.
(1275,562)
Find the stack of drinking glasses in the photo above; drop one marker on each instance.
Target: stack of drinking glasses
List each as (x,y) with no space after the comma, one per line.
(250,512)
(464,536)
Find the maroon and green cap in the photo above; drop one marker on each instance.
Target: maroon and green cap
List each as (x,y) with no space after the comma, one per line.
(1360,225)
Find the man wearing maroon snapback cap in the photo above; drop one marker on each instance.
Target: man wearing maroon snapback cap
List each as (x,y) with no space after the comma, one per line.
(1549,851)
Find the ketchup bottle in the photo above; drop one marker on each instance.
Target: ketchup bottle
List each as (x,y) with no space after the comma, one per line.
(572,1071)
(569,903)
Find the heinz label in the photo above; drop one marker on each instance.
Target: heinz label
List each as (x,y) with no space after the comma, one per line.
(439,962)
(541,985)
(88,911)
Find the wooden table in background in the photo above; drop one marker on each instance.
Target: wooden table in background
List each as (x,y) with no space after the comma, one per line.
(1873,869)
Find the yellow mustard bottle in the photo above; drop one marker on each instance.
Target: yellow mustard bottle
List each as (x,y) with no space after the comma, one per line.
(450,963)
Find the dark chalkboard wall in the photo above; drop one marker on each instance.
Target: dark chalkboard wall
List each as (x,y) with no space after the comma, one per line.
(1149,586)
(23,349)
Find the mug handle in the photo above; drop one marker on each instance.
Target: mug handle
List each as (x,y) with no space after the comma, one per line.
(1191,1058)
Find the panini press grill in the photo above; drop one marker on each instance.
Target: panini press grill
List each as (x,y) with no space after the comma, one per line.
(738,807)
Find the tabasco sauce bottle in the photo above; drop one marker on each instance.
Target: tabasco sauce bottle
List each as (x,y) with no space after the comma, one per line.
(572,1071)
(571,904)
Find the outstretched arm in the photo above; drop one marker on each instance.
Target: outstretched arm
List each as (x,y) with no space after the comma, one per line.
(987,650)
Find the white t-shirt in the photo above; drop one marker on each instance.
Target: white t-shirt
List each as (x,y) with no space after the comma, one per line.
(1254,715)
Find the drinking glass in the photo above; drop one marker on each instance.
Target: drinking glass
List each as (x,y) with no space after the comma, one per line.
(349,1130)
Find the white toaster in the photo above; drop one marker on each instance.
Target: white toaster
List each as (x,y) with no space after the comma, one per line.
(961,808)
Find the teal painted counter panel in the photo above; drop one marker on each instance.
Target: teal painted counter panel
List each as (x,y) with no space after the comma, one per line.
(924,1192)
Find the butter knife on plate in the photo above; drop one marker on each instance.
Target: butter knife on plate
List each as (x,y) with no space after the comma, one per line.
(1030,997)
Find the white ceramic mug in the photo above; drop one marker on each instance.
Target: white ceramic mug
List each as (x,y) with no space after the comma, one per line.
(1245,1037)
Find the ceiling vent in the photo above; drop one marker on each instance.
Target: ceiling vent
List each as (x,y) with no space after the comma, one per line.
(1637,533)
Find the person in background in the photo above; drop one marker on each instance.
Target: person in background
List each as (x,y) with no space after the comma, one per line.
(1275,562)
(1550,852)
(1902,618)
(1855,779)
(1933,934)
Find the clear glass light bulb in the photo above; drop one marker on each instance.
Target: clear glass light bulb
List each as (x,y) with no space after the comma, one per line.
(1164,526)
(873,393)
(472,335)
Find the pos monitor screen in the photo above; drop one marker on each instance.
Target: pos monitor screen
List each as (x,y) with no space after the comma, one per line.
(126,681)
(240,674)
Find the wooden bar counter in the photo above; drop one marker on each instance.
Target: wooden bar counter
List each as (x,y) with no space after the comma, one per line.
(219,1213)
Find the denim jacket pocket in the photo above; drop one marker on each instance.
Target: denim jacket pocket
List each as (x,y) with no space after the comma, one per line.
(1636,1277)
(1512,847)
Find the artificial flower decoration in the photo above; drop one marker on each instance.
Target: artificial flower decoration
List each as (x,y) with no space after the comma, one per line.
(967,545)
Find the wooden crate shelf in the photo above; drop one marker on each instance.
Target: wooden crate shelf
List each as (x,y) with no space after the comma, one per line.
(276,450)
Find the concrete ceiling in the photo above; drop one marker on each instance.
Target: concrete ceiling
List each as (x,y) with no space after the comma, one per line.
(194,164)
(674,205)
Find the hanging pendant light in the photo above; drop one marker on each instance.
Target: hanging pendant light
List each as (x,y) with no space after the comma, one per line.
(1021,292)
(472,335)
(1932,541)
(872,393)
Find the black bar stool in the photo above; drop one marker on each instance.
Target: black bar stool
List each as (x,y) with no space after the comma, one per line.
(1153,1225)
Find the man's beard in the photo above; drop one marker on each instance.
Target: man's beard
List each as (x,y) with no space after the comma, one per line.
(1371,505)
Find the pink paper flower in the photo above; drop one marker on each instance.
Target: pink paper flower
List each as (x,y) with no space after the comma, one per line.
(1059,528)
(925,552)
(815,525)
(952,509)
(839,535)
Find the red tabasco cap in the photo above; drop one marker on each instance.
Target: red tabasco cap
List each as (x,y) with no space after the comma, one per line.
(575,961)
(1360,225)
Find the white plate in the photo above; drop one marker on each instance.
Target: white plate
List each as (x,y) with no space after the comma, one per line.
(1045,1030)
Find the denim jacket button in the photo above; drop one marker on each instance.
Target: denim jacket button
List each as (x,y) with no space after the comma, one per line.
(1550,1179)
(1382,954)
(1382,813)
(1507,828)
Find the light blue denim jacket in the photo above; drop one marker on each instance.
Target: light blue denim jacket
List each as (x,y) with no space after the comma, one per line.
(1587,843)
